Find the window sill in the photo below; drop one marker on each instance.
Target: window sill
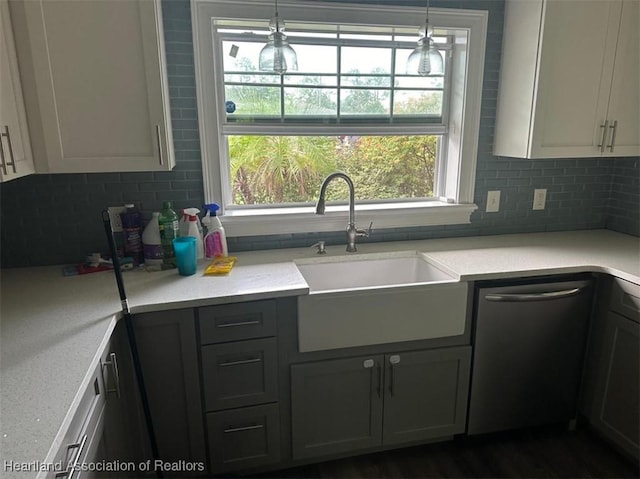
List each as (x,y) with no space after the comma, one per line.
(266,221)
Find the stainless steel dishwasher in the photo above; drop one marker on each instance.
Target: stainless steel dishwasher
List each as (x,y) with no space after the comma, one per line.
(529,342)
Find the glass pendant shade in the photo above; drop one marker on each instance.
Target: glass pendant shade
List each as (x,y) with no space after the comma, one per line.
(277,55)
(425,59)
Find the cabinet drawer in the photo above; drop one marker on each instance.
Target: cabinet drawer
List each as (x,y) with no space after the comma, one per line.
(240,374)
(233,322)
(244,438)
(625,299)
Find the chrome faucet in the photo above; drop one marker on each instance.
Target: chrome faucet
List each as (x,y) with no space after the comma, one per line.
(352,231)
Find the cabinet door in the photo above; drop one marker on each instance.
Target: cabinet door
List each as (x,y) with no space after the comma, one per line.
(617,401)
(624,103)
(336,406)
(96,87)
(124,431)
(574,77)
(79,444)
(425,394)
(169,359)
(15,150)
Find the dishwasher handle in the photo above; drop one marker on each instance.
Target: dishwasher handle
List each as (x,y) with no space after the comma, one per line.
(526,297)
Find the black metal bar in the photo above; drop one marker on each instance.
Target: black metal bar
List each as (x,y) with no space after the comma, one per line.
(132,340)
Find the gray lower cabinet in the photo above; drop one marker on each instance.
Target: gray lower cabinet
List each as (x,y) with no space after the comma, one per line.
(169,359)
(617,404)
(80,446)
(611,390)
(351,404)
(336,406)
(239,356)
(426,394)
(123,434)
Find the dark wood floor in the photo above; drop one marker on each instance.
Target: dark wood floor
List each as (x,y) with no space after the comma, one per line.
(536,453)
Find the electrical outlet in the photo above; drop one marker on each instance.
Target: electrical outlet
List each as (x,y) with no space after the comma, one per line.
(493,201)
(114,216)
(539,198)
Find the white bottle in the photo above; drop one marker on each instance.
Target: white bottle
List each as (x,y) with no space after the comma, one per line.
(152,244)
(215,241)
(184,220)
(194,231)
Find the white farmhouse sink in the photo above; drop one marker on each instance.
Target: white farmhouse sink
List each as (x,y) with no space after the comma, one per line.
(374,299)
(367,271)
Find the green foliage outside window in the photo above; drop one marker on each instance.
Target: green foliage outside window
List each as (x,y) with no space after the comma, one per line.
(290,169)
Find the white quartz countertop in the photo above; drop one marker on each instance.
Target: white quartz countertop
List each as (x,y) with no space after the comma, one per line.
(54,328)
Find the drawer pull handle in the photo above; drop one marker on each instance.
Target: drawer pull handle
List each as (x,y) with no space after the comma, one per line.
(243,361)
(524,297)
(71,468)
(245,428)
(243,323)
(113,362)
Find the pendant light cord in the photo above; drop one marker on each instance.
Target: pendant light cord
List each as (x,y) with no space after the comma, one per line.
(426,21)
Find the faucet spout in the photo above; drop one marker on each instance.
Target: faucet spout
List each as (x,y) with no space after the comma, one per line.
(352,231)
(321,200)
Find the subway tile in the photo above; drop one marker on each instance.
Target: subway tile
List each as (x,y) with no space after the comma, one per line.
(582,193)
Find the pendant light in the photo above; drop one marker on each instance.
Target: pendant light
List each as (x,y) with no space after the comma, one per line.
(425,59)
(277,55)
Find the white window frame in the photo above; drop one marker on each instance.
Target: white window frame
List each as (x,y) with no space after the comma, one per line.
(456,181)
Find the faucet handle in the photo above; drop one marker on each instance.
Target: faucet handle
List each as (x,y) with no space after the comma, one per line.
(366,233)
(320,246)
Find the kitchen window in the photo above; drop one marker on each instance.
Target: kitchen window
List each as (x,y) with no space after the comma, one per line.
(268,141)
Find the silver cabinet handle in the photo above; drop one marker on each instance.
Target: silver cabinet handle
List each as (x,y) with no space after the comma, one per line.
(11,157)
(244,361)
(3,161)
(242,323)
(524,297)
(71,468)
(113,363)
(245,428)
(604,135)
(393,360)
(159,145)
(614,128)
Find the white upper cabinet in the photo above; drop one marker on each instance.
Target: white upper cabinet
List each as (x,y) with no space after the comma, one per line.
(94,77)
(15,151)
(624,102)
(569,79)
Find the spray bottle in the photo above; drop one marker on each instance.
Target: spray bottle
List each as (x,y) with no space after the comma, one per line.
(193,230)
(215,241)
(184,221)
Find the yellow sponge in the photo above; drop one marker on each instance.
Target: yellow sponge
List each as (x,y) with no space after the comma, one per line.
(221,265)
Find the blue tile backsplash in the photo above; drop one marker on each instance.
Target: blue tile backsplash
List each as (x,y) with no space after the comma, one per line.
(55,219)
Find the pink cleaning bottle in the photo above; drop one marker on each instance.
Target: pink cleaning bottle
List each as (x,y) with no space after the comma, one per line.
(215,241)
